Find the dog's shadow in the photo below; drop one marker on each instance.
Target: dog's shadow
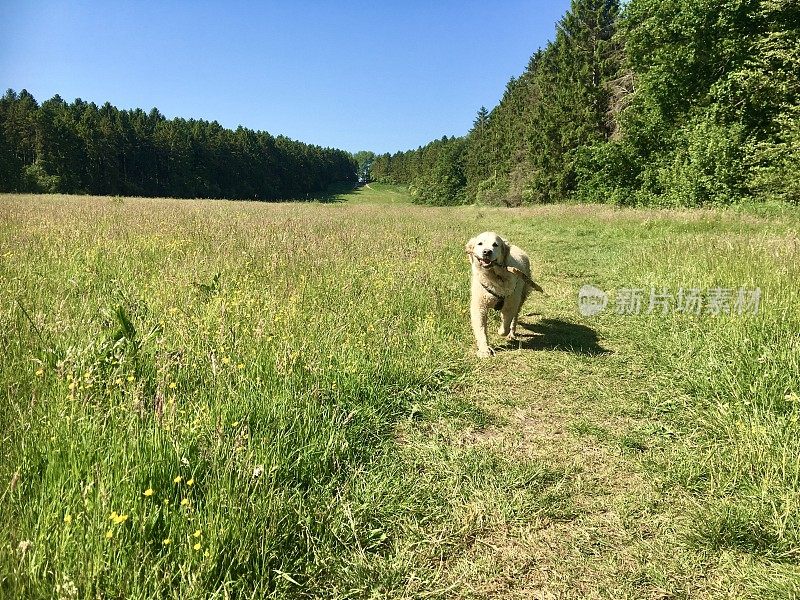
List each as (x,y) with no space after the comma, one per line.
(555,334)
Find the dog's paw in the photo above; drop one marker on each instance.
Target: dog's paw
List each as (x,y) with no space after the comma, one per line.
(502,331)
(485,353)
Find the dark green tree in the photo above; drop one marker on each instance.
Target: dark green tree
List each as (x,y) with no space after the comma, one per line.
(81,147)
(714,114)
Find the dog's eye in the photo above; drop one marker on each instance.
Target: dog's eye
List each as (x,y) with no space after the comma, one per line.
(494,245)
(480,243)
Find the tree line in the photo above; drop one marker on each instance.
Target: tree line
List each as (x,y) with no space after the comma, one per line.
(654,102)
(84,148)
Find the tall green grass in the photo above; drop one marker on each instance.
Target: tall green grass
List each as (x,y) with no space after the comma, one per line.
(210,399)
(200,399)
(223,375)
(731,385)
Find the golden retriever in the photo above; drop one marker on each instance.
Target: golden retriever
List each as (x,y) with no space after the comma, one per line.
(494,285)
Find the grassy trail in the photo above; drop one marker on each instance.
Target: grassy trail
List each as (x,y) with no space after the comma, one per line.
(310,369)
(584,398)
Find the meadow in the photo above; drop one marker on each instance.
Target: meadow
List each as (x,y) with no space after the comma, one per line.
(217,399)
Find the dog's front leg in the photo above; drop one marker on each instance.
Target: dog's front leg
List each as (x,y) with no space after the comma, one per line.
(478,316)
(506,323)
(508,315)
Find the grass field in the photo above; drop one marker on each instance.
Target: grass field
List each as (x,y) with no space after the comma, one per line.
(211,399)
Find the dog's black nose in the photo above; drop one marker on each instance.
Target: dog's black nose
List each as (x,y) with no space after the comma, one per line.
(487,252)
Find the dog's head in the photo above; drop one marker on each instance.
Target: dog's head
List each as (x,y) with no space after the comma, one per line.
(488,249)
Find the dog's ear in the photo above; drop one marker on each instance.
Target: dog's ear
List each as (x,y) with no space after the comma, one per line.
(470,247)
(505,250)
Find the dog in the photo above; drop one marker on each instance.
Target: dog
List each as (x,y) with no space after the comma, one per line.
(501,279)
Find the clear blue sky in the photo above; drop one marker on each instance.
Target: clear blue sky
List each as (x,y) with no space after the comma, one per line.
(381,76)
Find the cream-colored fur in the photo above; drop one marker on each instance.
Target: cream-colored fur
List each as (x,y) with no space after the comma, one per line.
(489,255)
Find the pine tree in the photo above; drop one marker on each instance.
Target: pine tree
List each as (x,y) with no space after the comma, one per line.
(478,163)
(10,162)
(80,147)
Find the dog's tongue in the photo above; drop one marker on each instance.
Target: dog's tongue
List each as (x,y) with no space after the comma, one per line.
(485,262)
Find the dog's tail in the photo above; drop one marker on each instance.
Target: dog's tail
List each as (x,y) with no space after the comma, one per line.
(526,278)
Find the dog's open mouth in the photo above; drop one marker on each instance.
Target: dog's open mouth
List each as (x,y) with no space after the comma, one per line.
(485,262)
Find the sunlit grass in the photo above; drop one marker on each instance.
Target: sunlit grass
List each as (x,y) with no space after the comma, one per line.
(209,399)
(232,369)
(738,401)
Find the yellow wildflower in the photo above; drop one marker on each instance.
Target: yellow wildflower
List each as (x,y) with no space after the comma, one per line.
(197,533)
(173,385)
(149,492)
(117,518)
(185,502)
(167,541)
(190,481)
(39,372)
(67,518)
(177,479)
(109,534)
(197,546)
